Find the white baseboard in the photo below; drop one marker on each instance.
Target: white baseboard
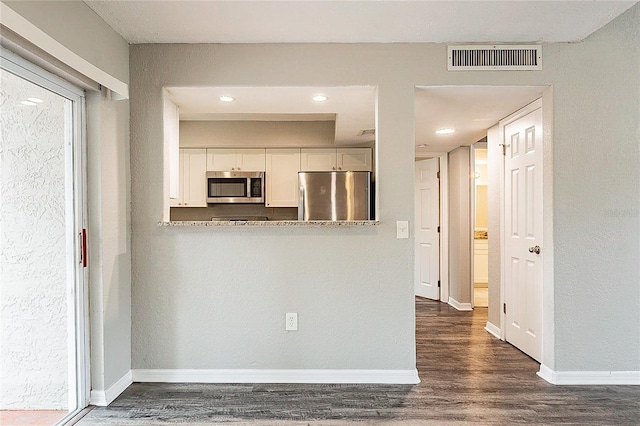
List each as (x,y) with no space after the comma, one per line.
(460,306)
(408,377)
(106,397)
(493,330)
(589,377)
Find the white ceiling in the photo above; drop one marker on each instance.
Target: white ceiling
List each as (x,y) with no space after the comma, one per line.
(469,110)
(266,21)
(352,108)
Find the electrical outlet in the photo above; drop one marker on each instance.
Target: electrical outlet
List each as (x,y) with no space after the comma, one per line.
(291,321)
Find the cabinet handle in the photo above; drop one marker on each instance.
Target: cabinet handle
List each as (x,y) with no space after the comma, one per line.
(339,168)
(333,168)
(185,204)
(238,168)
(233,168)
(179,204)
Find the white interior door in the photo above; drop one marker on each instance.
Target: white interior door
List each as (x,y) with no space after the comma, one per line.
(523,231)
(427,203)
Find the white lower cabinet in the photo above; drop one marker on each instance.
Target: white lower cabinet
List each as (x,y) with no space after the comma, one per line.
(192,184)
(282,177)
(481,261)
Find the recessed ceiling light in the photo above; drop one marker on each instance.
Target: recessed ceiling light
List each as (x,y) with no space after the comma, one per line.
(227,99)
(28,103)
(446,131)
(423,145)
(36,100)
(319,98)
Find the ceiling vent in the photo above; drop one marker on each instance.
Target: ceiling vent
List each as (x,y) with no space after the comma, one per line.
(367,132)
(494,57)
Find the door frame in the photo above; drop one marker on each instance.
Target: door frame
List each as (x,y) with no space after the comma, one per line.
(76,216)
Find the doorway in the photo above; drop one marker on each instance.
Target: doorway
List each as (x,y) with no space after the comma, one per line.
(451,119)
(480,245)
(43,330)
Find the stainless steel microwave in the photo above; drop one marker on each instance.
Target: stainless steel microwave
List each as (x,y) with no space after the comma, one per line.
(235,187)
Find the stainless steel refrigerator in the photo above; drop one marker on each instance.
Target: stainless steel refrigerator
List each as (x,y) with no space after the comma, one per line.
(334,195)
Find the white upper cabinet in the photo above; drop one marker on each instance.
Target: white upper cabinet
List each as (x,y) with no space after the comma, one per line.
(354,159)
(192,184)
(282,177)
(251,160)
(318,159)
(330,159)
(223,160)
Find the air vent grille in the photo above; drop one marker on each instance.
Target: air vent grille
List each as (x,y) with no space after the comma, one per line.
(494,57)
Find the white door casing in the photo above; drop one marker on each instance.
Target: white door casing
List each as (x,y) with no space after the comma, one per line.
(427,211)
(523,245)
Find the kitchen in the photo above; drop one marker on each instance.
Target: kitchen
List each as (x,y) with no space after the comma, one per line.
(243,153)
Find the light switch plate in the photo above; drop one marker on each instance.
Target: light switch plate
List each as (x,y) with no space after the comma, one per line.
(402,229)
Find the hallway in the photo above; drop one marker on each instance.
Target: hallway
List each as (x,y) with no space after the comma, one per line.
(468,377)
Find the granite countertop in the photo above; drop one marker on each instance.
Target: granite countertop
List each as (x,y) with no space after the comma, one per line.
(480,235)
(271,223)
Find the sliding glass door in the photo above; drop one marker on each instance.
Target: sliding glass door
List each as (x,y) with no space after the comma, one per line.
(43,297)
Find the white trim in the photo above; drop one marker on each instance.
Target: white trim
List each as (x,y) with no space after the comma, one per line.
(460,306)
(18,24)
(589,377)
(492,329)
(104,398)
(404,377)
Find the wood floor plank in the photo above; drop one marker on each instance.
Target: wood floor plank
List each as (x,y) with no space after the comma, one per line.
(468,377)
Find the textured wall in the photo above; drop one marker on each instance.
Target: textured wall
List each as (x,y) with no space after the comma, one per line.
(205,299)
(33,276)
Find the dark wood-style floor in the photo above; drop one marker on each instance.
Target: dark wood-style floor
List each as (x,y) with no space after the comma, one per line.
(468,377)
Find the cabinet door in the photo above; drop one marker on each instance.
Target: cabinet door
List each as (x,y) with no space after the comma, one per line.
(251,160)
(178,202)
(317,160)
(354,159)
(221,160)
(195,171)
(282,177)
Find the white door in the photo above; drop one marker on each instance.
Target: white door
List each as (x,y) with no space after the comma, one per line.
(523,232)
(427,201)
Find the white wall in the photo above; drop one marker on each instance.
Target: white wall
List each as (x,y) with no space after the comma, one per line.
(34,309)
(108,176)
(263,134)
(76,26)
(460,225)
(187,281)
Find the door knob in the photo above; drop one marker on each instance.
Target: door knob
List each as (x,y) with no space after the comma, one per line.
(534,249)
